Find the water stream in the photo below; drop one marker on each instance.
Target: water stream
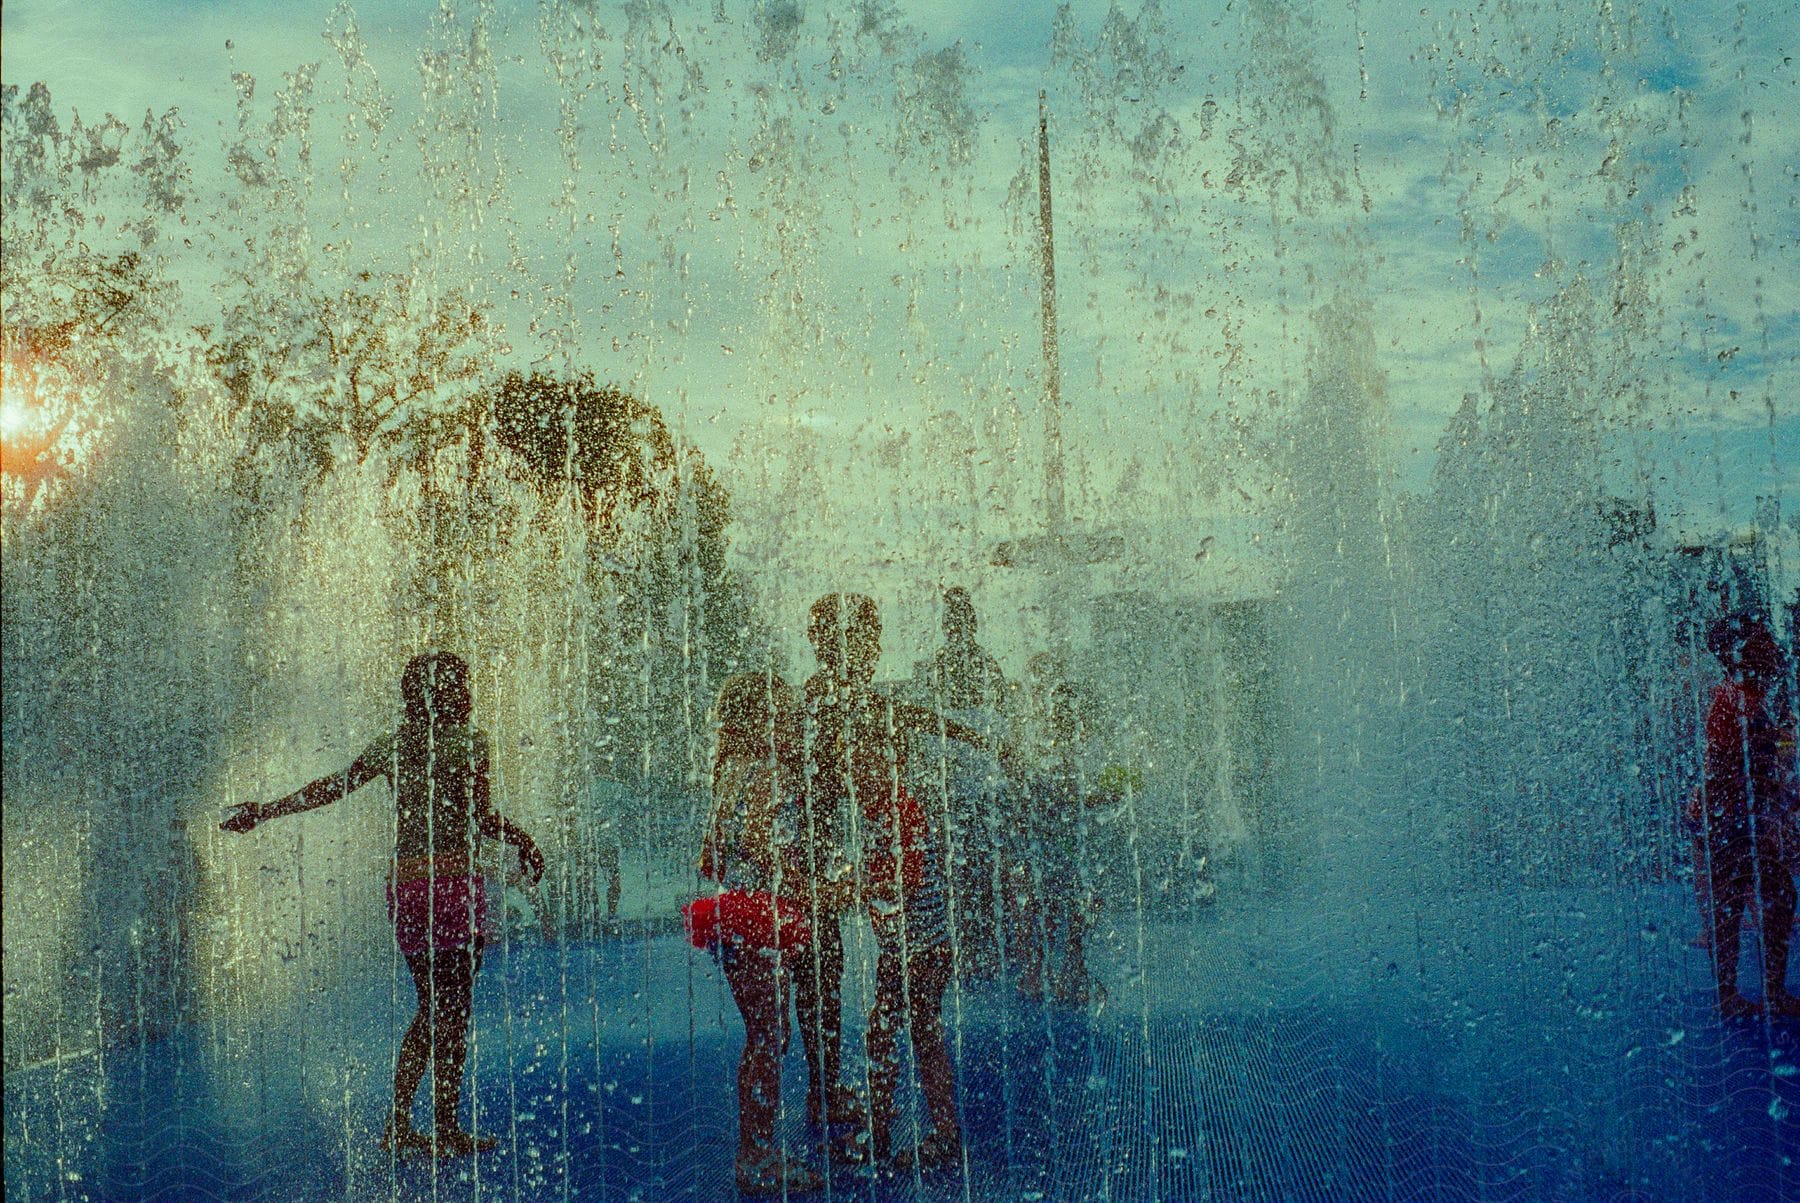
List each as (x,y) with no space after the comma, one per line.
(1411,393)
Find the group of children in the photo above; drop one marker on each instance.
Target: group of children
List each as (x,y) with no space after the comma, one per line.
(813,816)
(817,812)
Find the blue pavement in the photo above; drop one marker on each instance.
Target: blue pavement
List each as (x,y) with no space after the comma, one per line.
(1528,1048)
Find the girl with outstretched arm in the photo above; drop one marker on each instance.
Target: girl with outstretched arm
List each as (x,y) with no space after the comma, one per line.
(437,766)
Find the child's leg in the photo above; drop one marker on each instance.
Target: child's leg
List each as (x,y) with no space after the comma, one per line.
(1777,906)
(1075,961)
(415,1049)
(1025,903)
(1078,910)
(453,993)
(976,896)
(818,1000)
(756,987)
(1703,892)
(1728,899)
(937,1076)
(1057,924)
(882,1040)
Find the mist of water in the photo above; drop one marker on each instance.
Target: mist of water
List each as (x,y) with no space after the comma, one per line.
(1357,524)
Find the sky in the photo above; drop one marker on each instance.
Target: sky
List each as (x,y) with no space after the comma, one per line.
(806,231)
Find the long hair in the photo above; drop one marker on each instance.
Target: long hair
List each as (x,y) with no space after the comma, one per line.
(749,715)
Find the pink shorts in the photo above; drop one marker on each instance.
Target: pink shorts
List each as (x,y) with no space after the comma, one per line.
(437,912)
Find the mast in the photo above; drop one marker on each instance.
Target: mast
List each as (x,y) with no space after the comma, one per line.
(1058,552)
(1055,514)
(1053,443)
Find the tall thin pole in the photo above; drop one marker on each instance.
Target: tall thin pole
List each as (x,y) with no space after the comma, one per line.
(1054,513)
(1053,443)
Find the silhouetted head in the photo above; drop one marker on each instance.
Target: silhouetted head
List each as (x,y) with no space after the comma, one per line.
(756,715)
(959,614)
(434,690)
(845,630)
(1744,647)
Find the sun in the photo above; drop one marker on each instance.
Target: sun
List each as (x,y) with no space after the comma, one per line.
(27,428)
(15,415)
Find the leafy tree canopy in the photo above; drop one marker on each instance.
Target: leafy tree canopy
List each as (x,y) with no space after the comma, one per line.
(613,450)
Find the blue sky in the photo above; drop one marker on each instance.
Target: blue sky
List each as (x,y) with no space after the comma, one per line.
(834,318)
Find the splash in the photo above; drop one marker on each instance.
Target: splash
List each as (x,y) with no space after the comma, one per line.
(1412,380)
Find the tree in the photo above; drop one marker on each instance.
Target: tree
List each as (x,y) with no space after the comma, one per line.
(597,441)
(374,366)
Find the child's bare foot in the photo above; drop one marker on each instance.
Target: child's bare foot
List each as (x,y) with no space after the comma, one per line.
(934,1152)
(769,1173)
(1782,1004)
(854,1148)
(1073,989)
(846,1108)
(454,1142)
(403,1139)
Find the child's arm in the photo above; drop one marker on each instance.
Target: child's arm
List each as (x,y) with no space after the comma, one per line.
(531,861)
(799,861)
(326,790)
(759,820)
(711,863)
(908,717)
(758,785)
(494,827)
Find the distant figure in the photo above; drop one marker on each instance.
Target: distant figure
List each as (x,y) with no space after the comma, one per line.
(755,922)
(1747,816)
(965,683)
(857,740)
(603,801)
(965,675)
(1066,781)
(437,766)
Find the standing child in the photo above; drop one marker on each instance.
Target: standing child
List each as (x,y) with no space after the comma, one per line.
(1745,816)
(753,922)
(859,741)
(1066,783)
(437,767)
(968,787)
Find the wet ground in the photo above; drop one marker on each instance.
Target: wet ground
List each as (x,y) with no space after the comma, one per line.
(1541,1047)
